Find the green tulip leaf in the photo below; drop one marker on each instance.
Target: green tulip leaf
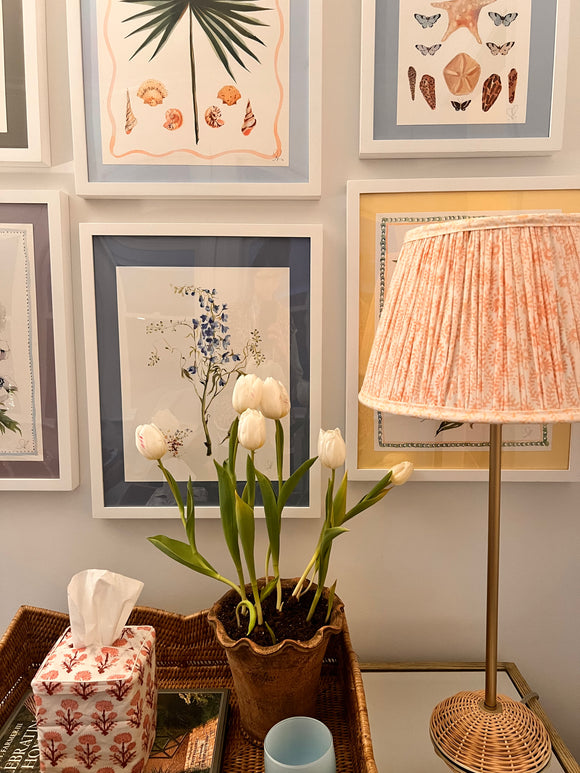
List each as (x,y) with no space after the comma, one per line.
(293,481)
(252,611)
(331,595)
(233,443)
(339,503)
(183,554)
(227,499)
(364,504)
(267,589)
(247,531)
(271,514)
(271,632)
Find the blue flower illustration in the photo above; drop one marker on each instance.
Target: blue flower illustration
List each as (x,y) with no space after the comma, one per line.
(209,362)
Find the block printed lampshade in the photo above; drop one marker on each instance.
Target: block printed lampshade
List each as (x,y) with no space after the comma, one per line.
(481,323)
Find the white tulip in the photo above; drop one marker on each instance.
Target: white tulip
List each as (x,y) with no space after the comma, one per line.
(252,429)
(331,448)
(247,393)
(275,403)
(401,473)
(150,441)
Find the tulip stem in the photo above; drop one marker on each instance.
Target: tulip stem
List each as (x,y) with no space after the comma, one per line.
(306,572)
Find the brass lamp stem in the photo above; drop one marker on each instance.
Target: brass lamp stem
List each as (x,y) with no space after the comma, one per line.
(494,500)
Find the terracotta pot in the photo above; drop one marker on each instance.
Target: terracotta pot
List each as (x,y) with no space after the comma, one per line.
(279,681)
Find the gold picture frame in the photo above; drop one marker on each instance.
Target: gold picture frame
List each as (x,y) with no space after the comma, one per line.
(379,213)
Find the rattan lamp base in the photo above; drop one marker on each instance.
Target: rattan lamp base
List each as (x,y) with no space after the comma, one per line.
(470,737)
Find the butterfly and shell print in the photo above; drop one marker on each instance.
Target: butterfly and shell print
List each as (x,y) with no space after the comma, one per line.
(463,65)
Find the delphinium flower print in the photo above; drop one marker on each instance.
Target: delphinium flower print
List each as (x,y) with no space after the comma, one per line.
(209,361)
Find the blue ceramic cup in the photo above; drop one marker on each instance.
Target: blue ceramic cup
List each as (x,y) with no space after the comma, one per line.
(299,745)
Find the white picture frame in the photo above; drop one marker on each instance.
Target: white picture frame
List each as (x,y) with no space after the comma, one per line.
(378,214)
(386,48)
(26,141)
(165,252)
(55,467)
(296,175)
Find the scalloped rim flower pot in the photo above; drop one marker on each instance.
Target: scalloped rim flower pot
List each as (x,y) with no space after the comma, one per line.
(278,681)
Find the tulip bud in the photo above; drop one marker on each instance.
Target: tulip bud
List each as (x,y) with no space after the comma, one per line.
(401,473)
(247,393)
(150,441)
(275,402)
(331,448)
(252,429)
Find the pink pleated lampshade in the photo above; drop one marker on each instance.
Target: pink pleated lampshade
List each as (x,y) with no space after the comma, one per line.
(481,323)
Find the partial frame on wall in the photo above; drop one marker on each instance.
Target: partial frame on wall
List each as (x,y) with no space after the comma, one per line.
(380,212)
(38,432)
(165,103)
(24,127)
(488,82)
(172,314)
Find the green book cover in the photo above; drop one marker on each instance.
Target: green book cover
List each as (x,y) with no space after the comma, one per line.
(189,737)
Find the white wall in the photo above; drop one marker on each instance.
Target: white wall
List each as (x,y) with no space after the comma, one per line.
(412,571)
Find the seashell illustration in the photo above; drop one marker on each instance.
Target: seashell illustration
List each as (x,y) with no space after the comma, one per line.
(152,92)
(427,88)
(229,95)
(462,74)
(490,92)
(249,120)
(512,83)
(173,119)
(213,117)
(130,120)
(412,75)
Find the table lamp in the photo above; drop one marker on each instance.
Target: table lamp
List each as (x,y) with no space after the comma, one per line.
(481,323)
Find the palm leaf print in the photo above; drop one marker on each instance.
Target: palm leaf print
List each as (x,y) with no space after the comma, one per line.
(228,25)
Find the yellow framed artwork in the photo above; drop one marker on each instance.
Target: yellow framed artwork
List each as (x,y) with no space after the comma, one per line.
(380,212)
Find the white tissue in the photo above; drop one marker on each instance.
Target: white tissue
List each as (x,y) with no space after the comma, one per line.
(99,604)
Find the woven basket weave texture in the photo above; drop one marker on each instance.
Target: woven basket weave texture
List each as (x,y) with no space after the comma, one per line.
(188,655)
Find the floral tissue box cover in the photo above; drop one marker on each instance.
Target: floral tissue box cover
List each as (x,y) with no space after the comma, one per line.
(96,707)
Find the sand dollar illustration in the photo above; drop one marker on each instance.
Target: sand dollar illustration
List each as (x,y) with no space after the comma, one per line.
(462,74)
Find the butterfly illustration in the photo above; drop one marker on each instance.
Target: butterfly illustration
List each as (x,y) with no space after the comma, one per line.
(428,49)
(461,105)
(498,19)
(503,50)
(427,21)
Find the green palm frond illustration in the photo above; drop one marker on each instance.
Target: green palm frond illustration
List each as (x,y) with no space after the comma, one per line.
(228,25)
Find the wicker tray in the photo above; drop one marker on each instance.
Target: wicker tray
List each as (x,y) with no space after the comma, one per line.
(189,656)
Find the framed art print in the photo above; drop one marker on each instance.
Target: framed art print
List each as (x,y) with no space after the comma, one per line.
(452,78)
(380,212)
(24,131)
(184,98)
(38,441)
(173,313)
